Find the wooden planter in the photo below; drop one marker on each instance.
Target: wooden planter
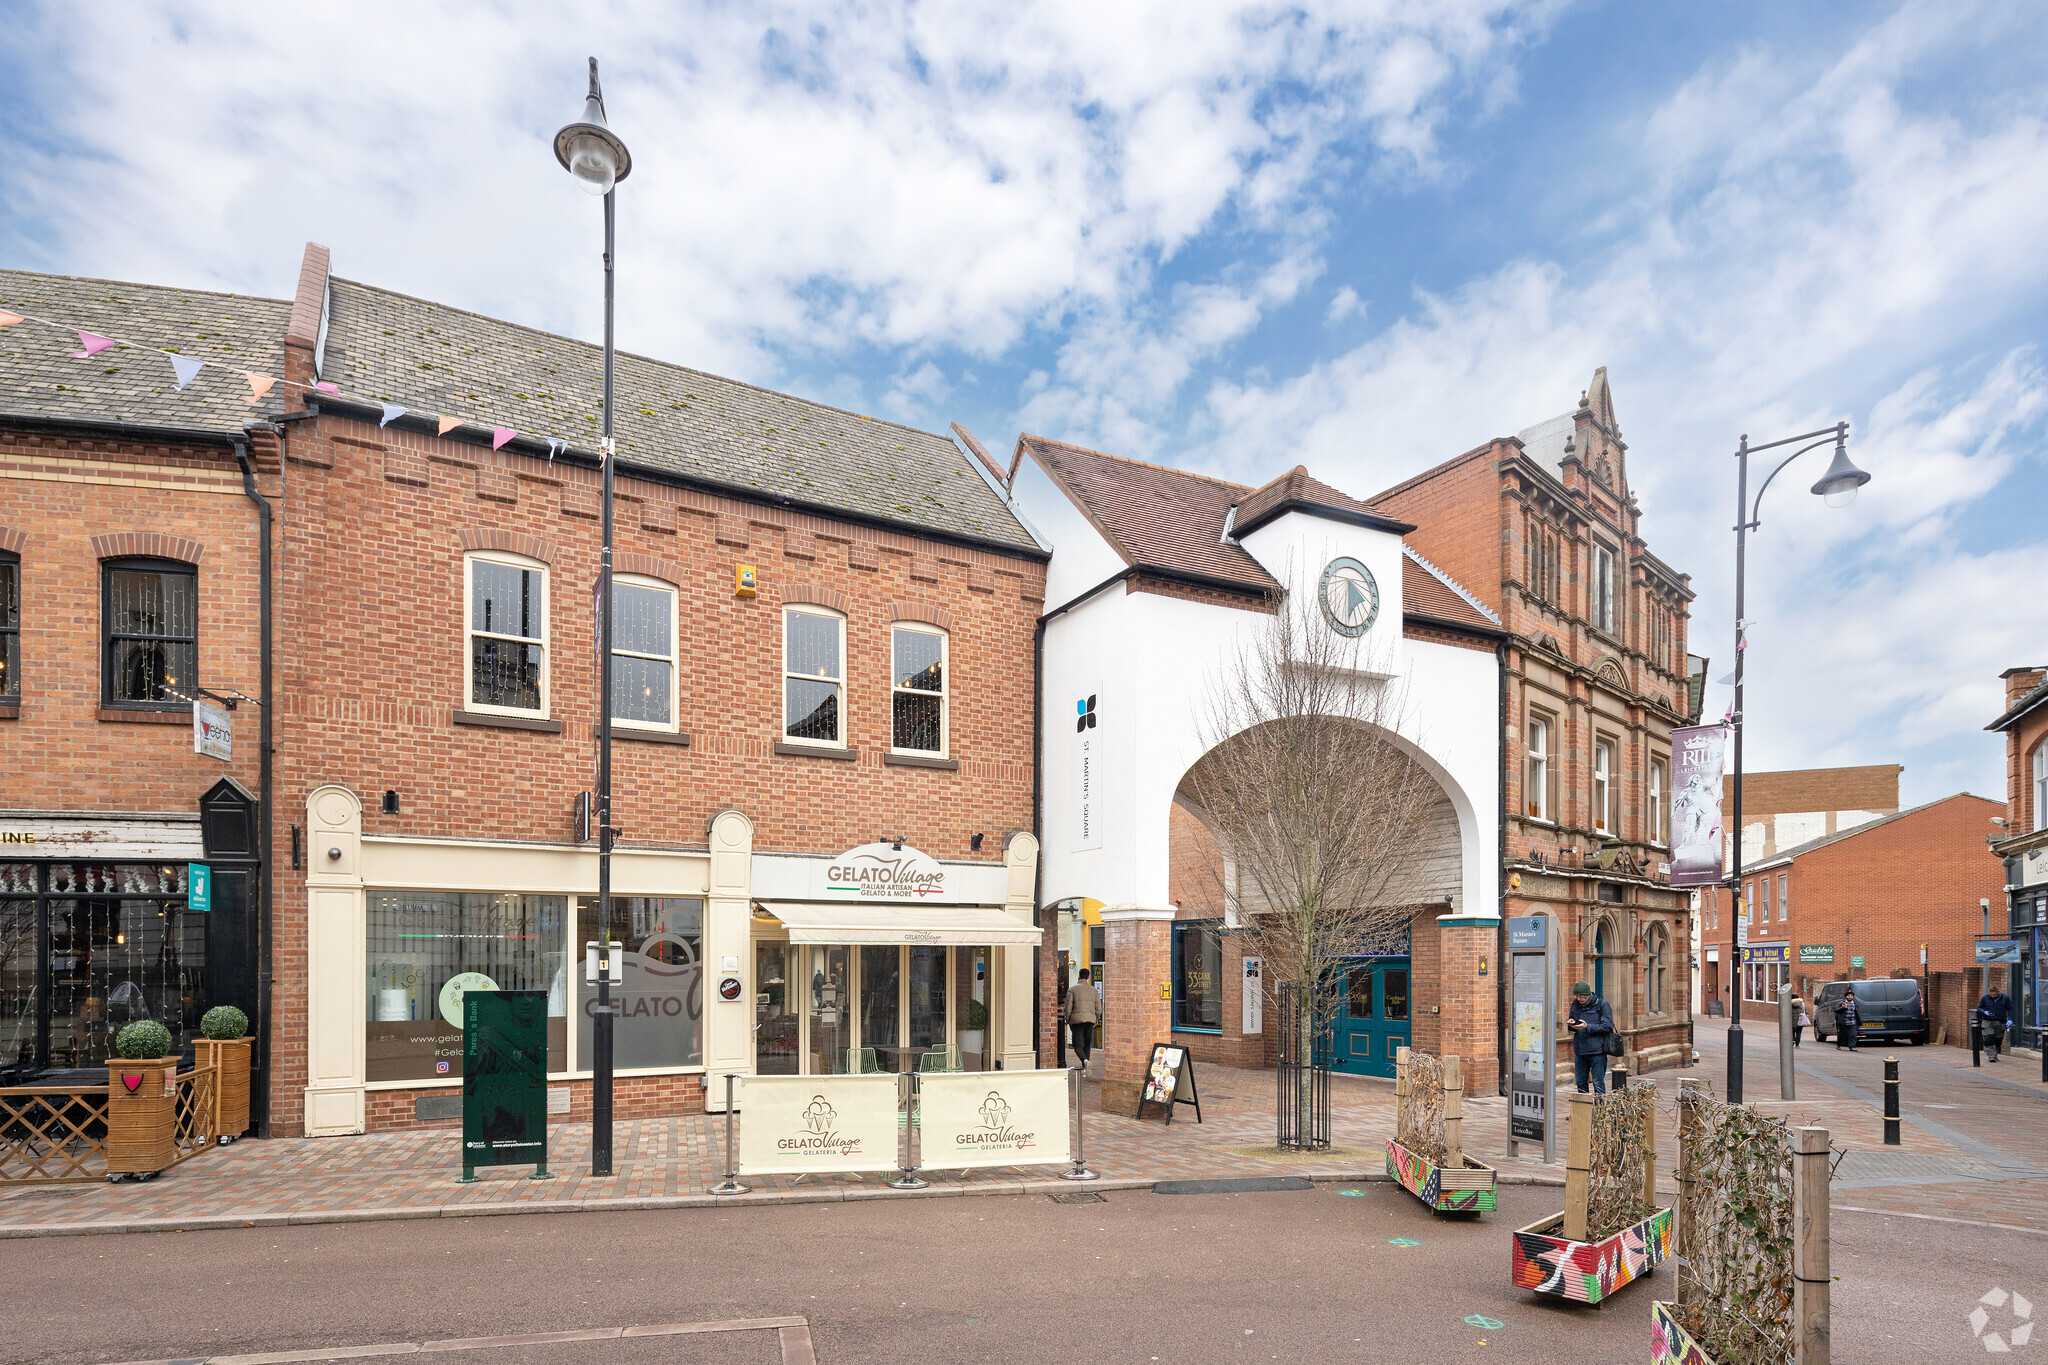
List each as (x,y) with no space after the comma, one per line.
(1468,1189)
(1587,1272)
(142,1115)
(1671,1344)
(230,1059)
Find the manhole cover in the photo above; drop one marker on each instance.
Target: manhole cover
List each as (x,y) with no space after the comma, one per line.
(1251,1185)
(1078,1197)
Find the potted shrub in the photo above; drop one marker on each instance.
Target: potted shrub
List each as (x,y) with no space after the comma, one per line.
(971,1025)
(142,1101)
(225,1045)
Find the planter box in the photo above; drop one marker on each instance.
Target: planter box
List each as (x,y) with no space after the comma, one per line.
(142,1115)
(1587,1272)
(230,1059)
(1467,1190)
(1669,1343)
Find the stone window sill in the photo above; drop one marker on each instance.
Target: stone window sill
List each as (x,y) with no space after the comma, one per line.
(944,765)
(677,737)
(118,716)
(10,711)
(785,750)
(485,718)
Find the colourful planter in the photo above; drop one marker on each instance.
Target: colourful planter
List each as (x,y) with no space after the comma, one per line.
(1587,1272)
(1669,1343)
(1470,1190)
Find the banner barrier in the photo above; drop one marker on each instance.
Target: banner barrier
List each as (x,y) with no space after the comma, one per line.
(794,1124)
(993,1118)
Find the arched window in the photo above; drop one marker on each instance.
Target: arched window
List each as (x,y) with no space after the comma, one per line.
(1654,979)
(1600,960)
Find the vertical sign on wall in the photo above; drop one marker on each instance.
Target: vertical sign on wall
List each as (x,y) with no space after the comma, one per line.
(213,734)
(1088,770)
(1696,844)
(1532,1006)
(1254,1013)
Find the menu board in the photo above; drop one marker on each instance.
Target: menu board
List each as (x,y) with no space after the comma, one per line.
(1169,1080)
(504,1079)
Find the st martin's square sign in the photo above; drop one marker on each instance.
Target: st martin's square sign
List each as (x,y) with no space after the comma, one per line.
(890,872)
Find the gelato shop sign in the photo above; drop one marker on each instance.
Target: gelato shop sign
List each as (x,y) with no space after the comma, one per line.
(888,871)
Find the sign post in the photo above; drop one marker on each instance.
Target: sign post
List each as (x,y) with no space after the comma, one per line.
(1532,1022)
(504,1081)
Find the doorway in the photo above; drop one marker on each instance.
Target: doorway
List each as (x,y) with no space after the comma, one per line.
(1371,1022)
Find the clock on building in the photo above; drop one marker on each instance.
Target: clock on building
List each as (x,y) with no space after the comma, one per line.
(1351,599)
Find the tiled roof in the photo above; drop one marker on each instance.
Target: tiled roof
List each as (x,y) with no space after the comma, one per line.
(1428,591)
(427,356)
(2020,708)
(1298,489)
(1786,855)
(133,384)
(1155,517)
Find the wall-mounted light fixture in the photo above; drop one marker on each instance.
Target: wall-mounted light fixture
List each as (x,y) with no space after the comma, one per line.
(974,842)
(391,803)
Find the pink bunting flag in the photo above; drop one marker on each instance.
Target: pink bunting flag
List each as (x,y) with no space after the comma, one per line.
(334,389)
(93,343)
(449,424)
(8,319)
(184,368)
(259,384)
(500,435)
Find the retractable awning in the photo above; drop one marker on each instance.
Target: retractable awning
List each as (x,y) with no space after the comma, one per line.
(967,926)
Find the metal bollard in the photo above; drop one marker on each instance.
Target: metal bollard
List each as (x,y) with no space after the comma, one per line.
(1080,1171)
(908,1179)
(1785,1027)
(1735,1064)
(1891,1101)
(731,1183)
(1976,1039)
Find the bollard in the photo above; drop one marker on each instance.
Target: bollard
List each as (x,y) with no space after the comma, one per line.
(1891,1101)
(2041,1041)
(731,1183)
(1976,1039)
(1080,1171)
(908,1179)
(1785,1026)
(1735,1063)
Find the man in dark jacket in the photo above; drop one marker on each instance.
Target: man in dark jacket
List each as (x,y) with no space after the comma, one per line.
(1996,1012)
(1591,1022)
(1846,1019)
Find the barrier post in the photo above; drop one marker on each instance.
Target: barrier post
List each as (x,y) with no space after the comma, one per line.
(1810,1282)
(906,1087)
(1785,1027)
(731,1183)
(1578,1168)
(1080,1171)
(1891,1101)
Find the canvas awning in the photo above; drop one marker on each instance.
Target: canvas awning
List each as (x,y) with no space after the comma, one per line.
(967,926)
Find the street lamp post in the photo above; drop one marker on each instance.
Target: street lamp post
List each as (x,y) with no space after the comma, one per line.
(593,153)
(1838,488)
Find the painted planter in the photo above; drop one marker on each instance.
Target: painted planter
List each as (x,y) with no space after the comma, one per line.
(1670,1344)
(142,1115)
(1587,1272)
(1468,1190)
(230,1059)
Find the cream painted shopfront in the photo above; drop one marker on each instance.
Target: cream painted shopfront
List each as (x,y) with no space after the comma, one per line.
(735,961)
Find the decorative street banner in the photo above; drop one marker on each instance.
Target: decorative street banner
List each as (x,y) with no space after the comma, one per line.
(1697,758)
(992,1118)
(1088,770)
(817,1123)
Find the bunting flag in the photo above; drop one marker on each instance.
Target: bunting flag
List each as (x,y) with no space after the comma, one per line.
(93,343)
(334,389)
(500,435)
(449,424)
(556,445)
(184,368)
(392,412)
(1724,682)
(8,319)
(259,384)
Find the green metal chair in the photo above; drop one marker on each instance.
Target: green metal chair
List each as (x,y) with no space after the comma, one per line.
(860,1061)
(939,1059)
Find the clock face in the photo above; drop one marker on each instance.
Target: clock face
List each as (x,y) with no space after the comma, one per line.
(1351,599)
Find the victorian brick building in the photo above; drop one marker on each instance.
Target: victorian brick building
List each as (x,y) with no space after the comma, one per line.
(1544,528)
(2023,839)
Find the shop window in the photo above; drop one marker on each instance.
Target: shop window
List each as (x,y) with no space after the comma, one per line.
(814,679)
(10,627)
(917,690)
(881,999)
(928,982)
(830,985)
(1197,974)
(643,654)
(1603,588)
(1394,993)
(660,1001)
(508,634)
(426,948)
(1603,787)
(776,1021)
(1538,788)
(1760,981)
(149,610)
(1658,782)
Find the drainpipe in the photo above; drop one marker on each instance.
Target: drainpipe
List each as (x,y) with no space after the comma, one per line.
(263,612)
(1500,934)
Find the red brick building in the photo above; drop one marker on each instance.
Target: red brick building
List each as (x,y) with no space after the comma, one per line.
(1545,529)
(2022,841)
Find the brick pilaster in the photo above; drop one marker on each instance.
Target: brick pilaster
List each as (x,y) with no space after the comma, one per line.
(1137,1011)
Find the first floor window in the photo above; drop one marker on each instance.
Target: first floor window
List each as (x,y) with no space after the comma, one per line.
(813,676)
(1603,786)
(1603,588)
(2041,787)
(149,611)
(426,948)
(1538,795)
(10,627)
(1784,894)
(917,686)
(1197,974)
(1657,785)
(508,634)
(643,654)
(1654,968)
(659,1000)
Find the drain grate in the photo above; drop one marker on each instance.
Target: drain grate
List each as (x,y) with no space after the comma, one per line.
(1077,1197)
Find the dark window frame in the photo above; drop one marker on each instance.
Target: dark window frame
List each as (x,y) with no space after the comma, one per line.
(10,678)
(108,635)
(1183,930)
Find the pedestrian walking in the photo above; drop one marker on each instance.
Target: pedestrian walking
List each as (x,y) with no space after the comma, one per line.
(1800,1019)
(1591,1022)
(1996,1012)
(1846,1020)
(1084,1012)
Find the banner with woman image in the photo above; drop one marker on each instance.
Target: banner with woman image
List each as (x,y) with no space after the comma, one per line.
(1698,755)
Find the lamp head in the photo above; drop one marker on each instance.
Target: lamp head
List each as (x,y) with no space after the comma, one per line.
(1838,486)
(591,151)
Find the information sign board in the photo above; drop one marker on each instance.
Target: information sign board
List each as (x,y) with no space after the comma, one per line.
(992,1118)
(198,886)
(1169,1080)
(1532,1005)
(504,1080)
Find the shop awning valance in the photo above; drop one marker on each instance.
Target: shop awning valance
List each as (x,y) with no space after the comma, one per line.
(967,926)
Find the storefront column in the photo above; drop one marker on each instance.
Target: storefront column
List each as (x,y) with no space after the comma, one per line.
(1467,973)
(1016,1036)
(1137,1004)
(335,947)
(728,910)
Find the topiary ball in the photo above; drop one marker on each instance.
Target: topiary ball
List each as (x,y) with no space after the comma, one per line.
(143,1040)
(224,1021)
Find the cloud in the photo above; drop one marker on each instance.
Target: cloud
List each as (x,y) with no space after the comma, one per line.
(1343,304)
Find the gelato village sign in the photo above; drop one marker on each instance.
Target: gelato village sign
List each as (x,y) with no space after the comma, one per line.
(886,871)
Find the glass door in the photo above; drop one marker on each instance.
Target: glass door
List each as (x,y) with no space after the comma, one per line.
(928,995)
(881,1004)
(775,1018)
(830,984)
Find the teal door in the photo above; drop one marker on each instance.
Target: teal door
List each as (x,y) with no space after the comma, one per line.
(1372,1017)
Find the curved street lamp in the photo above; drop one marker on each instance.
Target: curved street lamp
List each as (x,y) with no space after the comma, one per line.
(589,150)
(1837,488)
